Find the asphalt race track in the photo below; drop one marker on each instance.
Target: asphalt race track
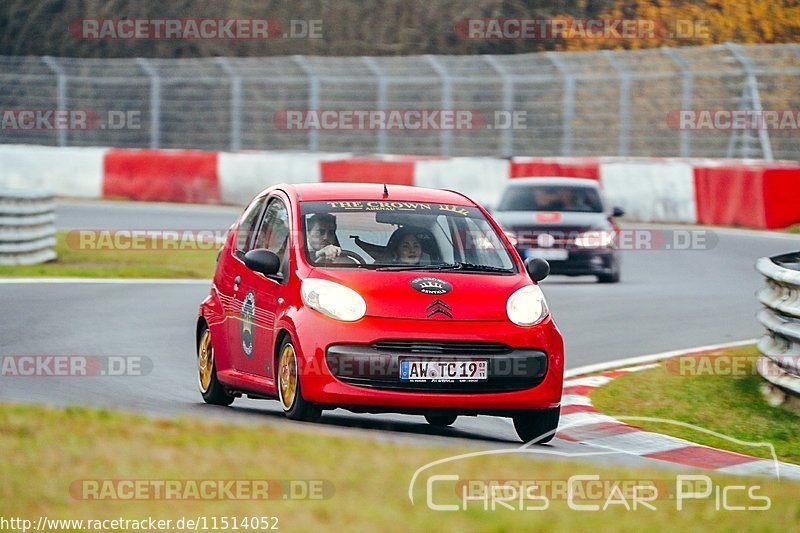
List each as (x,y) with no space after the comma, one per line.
(667,300)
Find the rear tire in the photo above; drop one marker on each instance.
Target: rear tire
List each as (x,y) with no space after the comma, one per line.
(539,425)
(290,394)
(210,388)
(441,421)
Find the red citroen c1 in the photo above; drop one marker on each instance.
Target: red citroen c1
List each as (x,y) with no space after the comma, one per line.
(377,299)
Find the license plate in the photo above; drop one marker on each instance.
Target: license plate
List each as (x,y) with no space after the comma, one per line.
(548,255)
(443,370)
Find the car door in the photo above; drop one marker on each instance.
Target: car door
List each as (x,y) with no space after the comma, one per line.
(230,269)
(258,294)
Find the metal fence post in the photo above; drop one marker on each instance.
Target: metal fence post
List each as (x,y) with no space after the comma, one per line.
(380,101)
(313,98)
(445,136)
(61,93)
(686,97)
(567,104)
(624,104)
(507,134)
(236,103)
(155,102)
(752,84)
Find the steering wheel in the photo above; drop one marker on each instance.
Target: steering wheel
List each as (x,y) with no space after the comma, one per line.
(353,255)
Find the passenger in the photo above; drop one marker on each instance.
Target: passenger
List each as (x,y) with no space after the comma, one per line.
(405,246)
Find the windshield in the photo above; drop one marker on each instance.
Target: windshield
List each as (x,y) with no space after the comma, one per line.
(401,236)
(551,198)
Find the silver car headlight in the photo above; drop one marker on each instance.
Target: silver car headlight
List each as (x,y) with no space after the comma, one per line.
(333,300)
(600,238)
(527,306)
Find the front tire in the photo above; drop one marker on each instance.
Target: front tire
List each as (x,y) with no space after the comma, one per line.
(441,421)
(539,425)
(614,276)
(210,388)
(295,407)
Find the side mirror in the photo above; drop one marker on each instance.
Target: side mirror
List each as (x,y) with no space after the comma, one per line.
(538,268)
(617,212)
(262,260)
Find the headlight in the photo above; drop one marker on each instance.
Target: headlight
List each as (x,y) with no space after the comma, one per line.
(333,300)
(512,236)
(601,238)
(527,306)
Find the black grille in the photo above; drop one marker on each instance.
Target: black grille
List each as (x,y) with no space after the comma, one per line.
(369,366)
(563,237)
(445,348)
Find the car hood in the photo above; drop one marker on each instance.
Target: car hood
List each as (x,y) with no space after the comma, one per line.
(563,220)
(471,297)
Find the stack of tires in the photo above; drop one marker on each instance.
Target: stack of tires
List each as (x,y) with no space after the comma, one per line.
(27,227)
(780,346)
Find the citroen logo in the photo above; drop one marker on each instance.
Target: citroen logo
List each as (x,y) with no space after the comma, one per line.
(439,306)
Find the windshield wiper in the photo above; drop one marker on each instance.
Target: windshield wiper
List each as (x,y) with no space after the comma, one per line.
(472,267)
(441,266)
(468,267)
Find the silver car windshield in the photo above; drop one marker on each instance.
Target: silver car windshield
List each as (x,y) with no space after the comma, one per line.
(551,198)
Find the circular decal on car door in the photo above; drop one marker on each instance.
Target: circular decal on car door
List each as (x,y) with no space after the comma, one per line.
(248,319)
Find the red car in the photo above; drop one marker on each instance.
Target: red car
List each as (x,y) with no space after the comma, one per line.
(378,299)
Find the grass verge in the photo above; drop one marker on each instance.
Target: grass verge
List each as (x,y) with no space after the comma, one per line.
(794,228)
(46,451)
(102,263)
(718,391)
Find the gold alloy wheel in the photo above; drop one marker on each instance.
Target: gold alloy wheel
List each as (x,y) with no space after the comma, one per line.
(205,361)
(287,376)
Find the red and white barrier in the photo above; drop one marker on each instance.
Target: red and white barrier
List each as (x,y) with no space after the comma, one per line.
(753,194)
(74,172)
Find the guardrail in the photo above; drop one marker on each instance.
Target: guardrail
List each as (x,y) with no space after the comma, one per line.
(27,230)
(780,346)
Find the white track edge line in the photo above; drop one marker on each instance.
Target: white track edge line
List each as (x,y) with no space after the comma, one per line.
(106,281)
(642,359)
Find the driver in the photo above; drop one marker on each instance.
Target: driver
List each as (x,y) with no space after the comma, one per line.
(322,237)
(547,199)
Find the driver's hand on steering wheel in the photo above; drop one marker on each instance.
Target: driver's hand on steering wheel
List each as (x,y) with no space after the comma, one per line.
(328,253)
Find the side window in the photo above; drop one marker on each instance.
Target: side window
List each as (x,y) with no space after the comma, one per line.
(248,226)
(274,231)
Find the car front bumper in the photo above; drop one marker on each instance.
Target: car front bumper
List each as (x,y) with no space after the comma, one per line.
(355,365)
(579,261)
